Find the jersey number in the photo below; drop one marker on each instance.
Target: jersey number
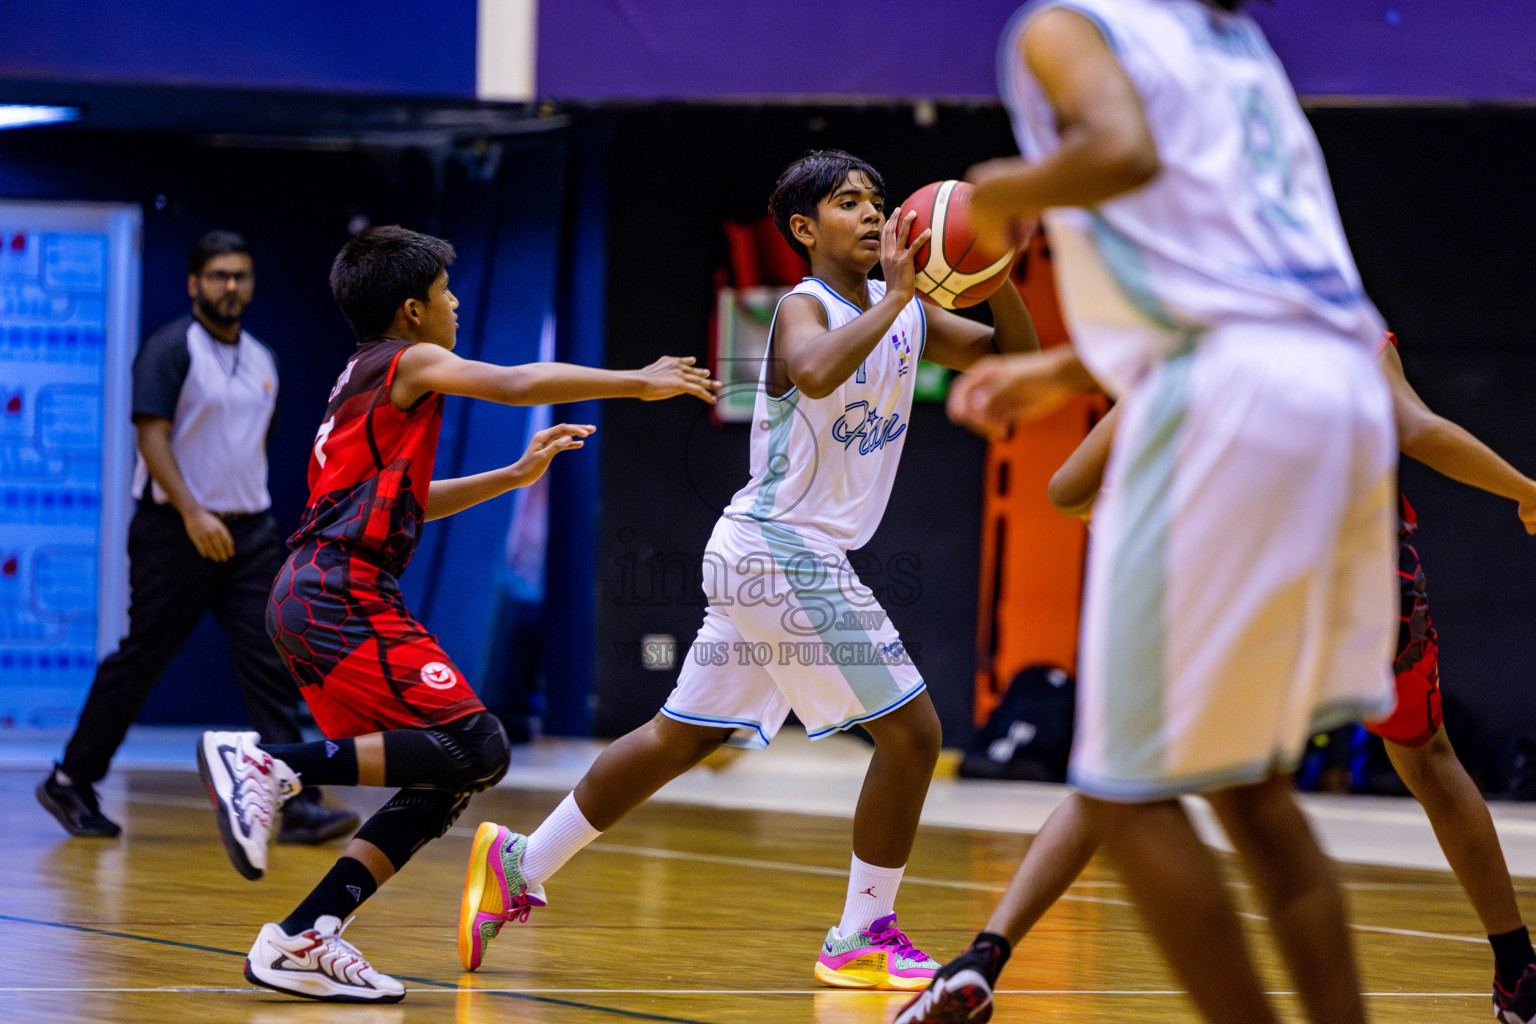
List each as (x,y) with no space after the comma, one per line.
(1271,181)
(325,432)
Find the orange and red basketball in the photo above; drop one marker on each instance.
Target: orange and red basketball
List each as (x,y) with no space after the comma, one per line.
(953,271)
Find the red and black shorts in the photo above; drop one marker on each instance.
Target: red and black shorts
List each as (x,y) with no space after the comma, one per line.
(362,661)
(1417,666)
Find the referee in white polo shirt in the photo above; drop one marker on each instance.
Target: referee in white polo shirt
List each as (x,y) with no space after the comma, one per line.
(204,396)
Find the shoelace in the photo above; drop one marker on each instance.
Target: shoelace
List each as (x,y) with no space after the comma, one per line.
(519,910)
(894,938)
(250,793)
(339,958)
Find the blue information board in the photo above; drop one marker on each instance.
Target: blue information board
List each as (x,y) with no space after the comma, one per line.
(69,297)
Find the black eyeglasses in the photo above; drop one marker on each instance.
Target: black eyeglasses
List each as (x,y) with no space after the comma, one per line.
(225,277)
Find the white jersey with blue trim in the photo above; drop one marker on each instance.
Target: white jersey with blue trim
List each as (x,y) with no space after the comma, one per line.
(826,465)
(1239,224)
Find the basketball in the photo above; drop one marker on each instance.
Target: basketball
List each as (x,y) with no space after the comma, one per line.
(951,270)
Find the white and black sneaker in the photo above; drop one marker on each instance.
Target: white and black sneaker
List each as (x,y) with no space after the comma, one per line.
(963,997)
(1518,1006)
(318,964)
(247,786)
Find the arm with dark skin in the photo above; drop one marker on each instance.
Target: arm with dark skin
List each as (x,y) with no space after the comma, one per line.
(1002,390)
(1423,435)
(817,360)
(1075,485)
(425,368)
(957,343)
(1106,149)
(207,531)
(1451,450)
(428,368)
(445,497)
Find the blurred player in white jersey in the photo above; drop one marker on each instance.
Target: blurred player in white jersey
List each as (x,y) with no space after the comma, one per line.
(1240,588)
(789,624)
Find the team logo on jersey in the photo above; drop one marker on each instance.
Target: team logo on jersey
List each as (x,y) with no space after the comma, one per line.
(903,352)
(438,676)
(864,424)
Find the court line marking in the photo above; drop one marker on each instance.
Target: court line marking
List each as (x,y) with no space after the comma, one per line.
(937,883)
(993,887)
(438,988)
(431,986)
(197,803)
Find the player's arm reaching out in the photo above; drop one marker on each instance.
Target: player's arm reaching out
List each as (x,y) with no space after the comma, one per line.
(1106,149)
(445,497)
(1075,485)
(426,368)
(1002,390)
(817,360)
(1447,448)
(1451,450)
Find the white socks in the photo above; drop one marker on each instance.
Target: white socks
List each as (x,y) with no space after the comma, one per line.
(557,840)
(871,896)
(871,889)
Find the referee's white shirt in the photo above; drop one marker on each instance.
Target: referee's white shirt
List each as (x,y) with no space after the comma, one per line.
(221,414)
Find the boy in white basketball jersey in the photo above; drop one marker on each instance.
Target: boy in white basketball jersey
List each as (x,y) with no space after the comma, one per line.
(828,428)
(1240,584)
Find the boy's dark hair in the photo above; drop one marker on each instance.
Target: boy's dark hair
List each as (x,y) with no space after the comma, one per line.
(214,243)
(808,181)
(379,269)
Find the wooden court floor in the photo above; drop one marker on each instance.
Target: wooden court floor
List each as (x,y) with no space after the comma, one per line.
(679,914)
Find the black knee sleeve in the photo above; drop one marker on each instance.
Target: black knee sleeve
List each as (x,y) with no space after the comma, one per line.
(467,755)
(411,819)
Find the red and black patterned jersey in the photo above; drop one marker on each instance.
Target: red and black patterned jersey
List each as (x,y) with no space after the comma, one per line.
(371,464)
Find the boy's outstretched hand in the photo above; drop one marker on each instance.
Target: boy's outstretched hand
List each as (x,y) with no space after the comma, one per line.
(994,224)
(999,391)
(1528,514)
(676,375)
(546,444)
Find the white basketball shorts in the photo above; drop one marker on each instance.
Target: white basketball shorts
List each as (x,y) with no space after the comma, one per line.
(1240,593)
(789,626)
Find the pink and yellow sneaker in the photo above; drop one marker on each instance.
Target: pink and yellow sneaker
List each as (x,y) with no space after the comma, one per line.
(495,890)
(878,957)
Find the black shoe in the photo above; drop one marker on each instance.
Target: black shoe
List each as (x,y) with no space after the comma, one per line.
(1519,1006)
(961,990)
(76,808)
(310,822)
(963,997)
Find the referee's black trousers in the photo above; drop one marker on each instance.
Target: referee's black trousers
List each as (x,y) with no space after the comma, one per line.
(170,587)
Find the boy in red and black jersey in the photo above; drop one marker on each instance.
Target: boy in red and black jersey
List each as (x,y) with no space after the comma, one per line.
(395,709)
(336,613)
